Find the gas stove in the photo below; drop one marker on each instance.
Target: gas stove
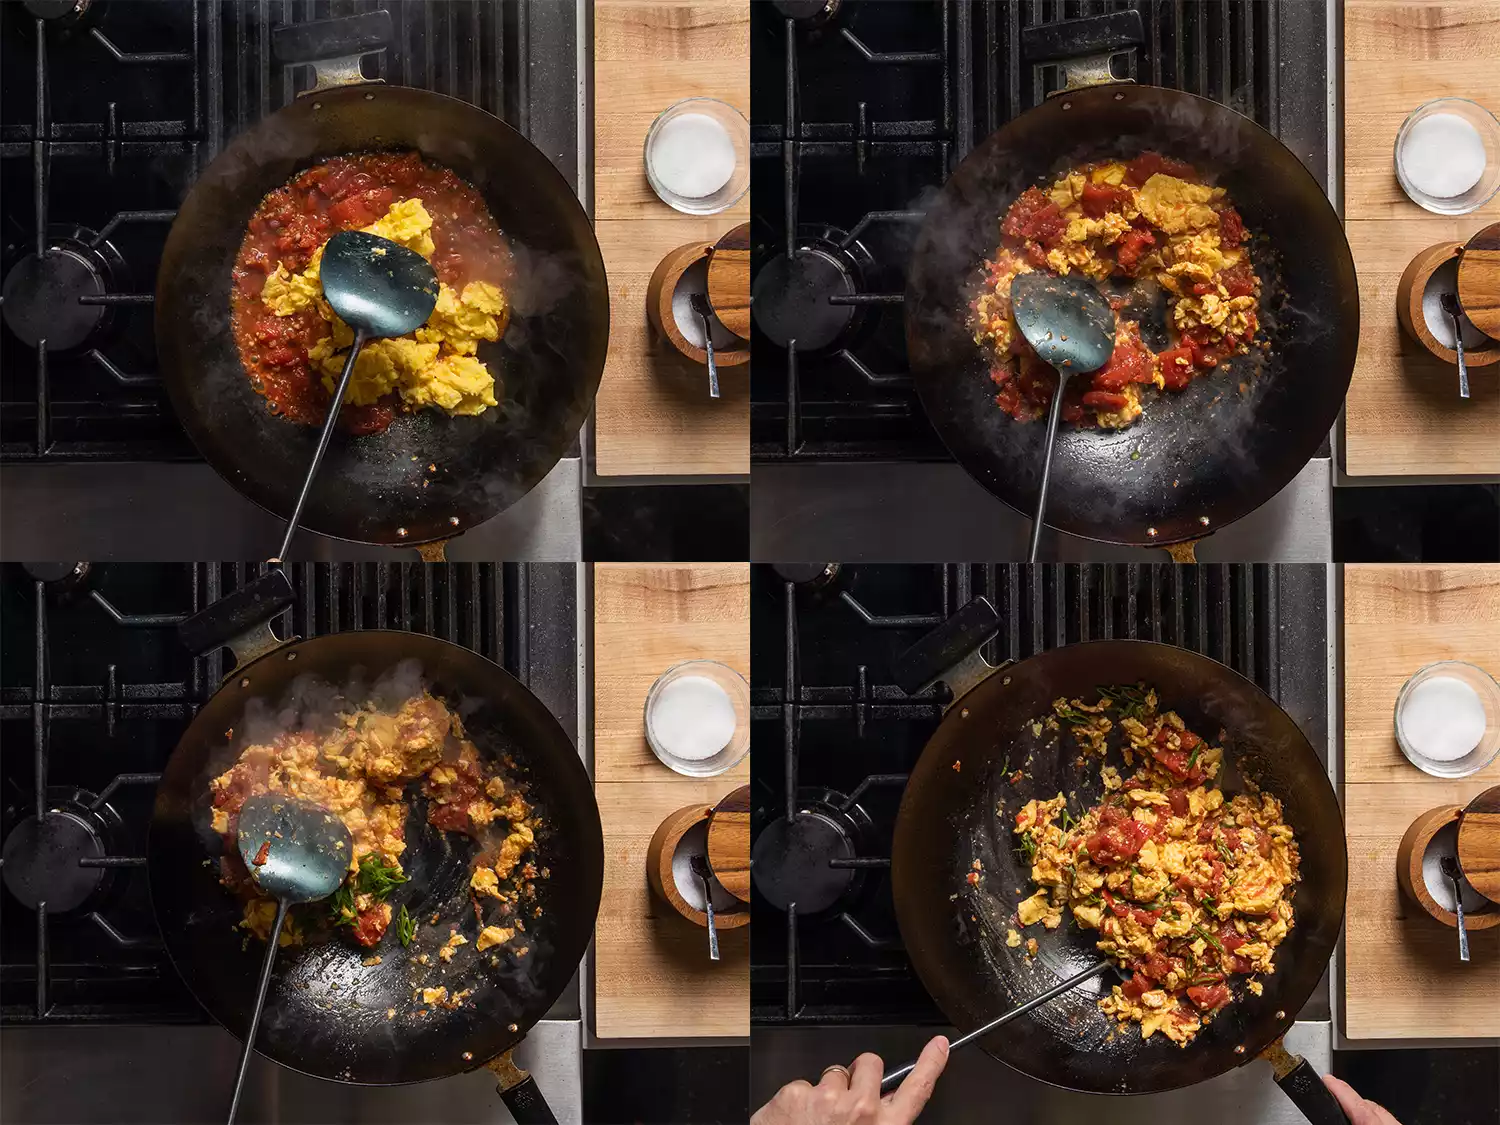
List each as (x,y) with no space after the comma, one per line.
(861,110)
(834,739)
(95,683)
(111,110)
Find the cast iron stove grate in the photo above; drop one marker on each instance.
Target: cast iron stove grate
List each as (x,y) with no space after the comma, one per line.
(95,682)
(110,110)
(834,738)
(861,108)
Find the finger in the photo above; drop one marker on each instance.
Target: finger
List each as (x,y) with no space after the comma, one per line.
(834,1078)
(865,1081)
(909,1098)
(1355,1108)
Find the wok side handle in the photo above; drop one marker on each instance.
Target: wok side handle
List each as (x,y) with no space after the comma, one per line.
(950,652)
(332,47)
(1082,48)
(242,620)
(1301,1082)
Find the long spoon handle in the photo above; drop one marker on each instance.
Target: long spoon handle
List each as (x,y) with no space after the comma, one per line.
(893,1077)
(1463,366)
(260,1003)
(329,423)
(1041,496)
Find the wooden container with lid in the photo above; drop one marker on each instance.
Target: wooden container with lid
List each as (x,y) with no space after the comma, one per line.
(1410,295)
(1479,843)
(660,874)
(1479,280)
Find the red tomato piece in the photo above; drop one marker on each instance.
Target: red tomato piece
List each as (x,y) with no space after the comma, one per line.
(1136,987)
(370,925)
(1132,246)
(1105,400)
(1207,997)
(1178,800)
(1099,199)
(1238,280)
(1231,227)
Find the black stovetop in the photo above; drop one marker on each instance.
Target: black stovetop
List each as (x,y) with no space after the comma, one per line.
(95,689)
(830,727)
(106,118)
(857,119)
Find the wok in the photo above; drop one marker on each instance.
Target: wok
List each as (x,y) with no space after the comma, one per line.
(1198,459)
(325,1011)
(547,365)
(948,818)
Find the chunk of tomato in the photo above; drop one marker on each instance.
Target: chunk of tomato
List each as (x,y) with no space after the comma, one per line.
(1099,199)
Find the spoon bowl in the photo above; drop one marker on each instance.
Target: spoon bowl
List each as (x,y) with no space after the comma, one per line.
(1065,319)
(377,286)
(295,850)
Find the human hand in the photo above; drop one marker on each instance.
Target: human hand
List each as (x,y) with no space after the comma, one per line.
(1357,1109)
(852,1097)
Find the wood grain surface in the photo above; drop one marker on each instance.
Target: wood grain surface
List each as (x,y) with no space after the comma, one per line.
(1479,843)
(653,415)
(729,281)
(1403,416)
(651,973)
(1402,977)
(729,843)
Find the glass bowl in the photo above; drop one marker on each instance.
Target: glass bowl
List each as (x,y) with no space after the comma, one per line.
(678,127)
(683,686)
(1483,122)
(1477,680)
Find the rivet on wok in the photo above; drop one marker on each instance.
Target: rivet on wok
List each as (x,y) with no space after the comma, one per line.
(317,105)
(369,97)
(1203,520)
(245,682)
(401,531)
(1151,531)
(1240,1050)
(453,520)
(1281,1015)
(1067,105)
(291,656)
(964,714)
(1118,97)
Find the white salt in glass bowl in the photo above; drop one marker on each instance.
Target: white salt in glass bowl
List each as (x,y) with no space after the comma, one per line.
(1431,713)
(697,718)
(1457,132)
(697,156)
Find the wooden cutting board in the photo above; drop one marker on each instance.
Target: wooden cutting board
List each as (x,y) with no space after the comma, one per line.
(651,972)
(1403,416)
(1402,976)
(653,415)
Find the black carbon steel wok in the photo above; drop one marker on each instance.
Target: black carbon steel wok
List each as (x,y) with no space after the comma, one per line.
(326,1012)
(1198,459)
(948,819)
(547,366)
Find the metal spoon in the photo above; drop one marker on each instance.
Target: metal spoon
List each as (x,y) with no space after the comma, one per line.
(893,1078)
(1071,326)
(700,304)
(296,851)
(1451,306)
(700,868)
(379,288)
(1450,868)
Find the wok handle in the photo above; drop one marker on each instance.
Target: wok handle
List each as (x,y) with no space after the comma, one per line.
(526,1104)
(336,44)
(1301,1082)
(1091,35)
(242,620)
(949,652)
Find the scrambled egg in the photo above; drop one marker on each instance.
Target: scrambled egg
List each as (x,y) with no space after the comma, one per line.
(434,366)
(1187,890)
(358,770)
(1185,254)
(493,935)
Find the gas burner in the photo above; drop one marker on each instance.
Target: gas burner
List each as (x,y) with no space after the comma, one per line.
(44,294)
(791,861)
(809,13)
(57,9)
(43,852)
(809,576)
(59,576)
(790,294)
